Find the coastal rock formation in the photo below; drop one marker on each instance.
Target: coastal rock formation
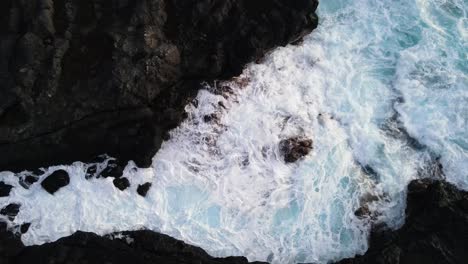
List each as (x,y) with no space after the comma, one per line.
(435,231)
(139,247)
(121,183)
(79,78)
(5,189)
(144,188)
(294,149)
(55,181)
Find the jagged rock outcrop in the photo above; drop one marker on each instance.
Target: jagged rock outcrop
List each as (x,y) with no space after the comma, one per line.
(79,78)
(294,149)
(435,231)
(55,181)
(139,247)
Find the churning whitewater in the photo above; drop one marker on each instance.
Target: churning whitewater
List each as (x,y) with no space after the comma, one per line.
(380,87)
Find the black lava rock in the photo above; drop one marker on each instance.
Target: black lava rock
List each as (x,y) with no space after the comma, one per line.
(80,78)
(146,247)
(209,118)
(5,189)
(24,228)
(114,169)
(294,149)
(3,226)
(28,180)
(121,183)
(435,229)
(55,181)
(91,171)
(143,188)
(11,211)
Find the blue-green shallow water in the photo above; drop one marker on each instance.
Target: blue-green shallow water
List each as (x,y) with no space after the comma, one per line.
(381,87)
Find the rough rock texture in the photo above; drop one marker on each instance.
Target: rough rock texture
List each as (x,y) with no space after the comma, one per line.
(435,232)
(140,247)
(79,78)
(294,149)
(55,181)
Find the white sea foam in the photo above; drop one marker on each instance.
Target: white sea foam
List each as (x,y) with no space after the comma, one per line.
(371,69)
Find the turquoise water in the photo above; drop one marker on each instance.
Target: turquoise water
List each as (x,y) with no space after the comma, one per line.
(381,88)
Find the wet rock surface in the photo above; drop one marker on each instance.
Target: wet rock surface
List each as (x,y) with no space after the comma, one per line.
(80,78)
(5,189)
(129,247)
(144,188)
(294,149)
(10,211)
(55,181)
(435,231)
(27,180)
(114,169)
(121,183)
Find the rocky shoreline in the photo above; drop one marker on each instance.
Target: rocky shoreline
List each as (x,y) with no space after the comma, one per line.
(80,78)
(435,229)
(139,247)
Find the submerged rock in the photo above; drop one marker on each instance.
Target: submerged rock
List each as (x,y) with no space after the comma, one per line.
(363,212)
(29,179)
(91,171)
(55,181)
(81,78)
(435,231)
(294,149)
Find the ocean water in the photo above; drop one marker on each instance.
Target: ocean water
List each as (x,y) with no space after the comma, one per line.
(381,87)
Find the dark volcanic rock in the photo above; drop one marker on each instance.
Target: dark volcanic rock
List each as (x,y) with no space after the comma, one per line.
(91,171)
(114,169)
(3,225)
(28,180)
(435,232)
(80,78)
(5,189)
(140,247)
(143,189)
(10,245)
(10,211)
(55,181)
(294,149)
(121,183)
(24,228)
